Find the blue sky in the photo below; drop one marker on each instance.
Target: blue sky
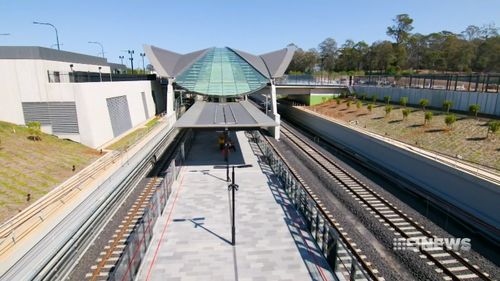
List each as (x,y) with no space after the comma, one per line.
(256,26)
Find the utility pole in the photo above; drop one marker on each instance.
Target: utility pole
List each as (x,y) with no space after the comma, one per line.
(98,43)
(131,53)
(233,187)
(57,35)
(142,56)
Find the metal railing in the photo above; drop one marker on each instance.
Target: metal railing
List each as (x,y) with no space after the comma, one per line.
(139,239)
(311,80)
(450,82)
(339,255)
(87,76)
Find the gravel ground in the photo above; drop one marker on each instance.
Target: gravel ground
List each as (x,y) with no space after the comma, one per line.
(417,266)
(382,260)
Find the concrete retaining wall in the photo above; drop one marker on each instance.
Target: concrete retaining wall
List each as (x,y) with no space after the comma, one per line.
(465,191)
(489,102)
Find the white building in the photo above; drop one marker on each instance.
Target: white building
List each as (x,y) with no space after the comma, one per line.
(74,96)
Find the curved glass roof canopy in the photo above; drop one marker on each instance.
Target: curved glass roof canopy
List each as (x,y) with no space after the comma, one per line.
(221,72)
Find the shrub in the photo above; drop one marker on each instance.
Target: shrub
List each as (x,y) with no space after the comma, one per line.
(423,103)
(337,99)
(34,130)
(406,112)
(364,96)
(447,104)
(348,103)
(474,109)
(370,107)
(493,126)
(428,117)
(450,119)
(359,104)
(387,99)
(388,109)
(403,101)
(374,98)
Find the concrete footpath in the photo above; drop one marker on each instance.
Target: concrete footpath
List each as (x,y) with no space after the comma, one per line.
(192,239)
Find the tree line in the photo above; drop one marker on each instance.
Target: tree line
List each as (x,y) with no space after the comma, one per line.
(476,49)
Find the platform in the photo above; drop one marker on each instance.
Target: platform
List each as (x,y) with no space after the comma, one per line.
(224,115)
(192,239)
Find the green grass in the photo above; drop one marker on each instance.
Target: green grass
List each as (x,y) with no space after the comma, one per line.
(34,167)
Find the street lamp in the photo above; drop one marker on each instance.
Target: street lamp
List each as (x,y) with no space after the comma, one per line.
(143,55)
(131,53)
(57,35)
(121,58)
(98,43)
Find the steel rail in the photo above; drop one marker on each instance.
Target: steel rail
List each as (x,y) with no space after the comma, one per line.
(324,161)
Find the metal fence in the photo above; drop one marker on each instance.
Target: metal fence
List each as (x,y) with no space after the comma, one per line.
(87,76)
(137,243)
(338,255)
(307,79)
(451,82)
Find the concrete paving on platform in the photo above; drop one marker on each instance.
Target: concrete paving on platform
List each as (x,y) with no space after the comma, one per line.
(192,239)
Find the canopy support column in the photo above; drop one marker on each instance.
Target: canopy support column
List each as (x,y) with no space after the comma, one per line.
(275,131)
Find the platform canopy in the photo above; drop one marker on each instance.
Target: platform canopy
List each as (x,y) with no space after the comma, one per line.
(229,115)
(220,71)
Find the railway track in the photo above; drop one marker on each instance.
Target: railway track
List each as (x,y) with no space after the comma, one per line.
(348,256)
(449,264)
(114,249)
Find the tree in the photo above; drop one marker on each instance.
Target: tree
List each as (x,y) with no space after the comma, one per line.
(387,99)
(370,107)
(406,112)
(401,28)
(382,55)
(423,103)
(337,99)
(328,54)
(474,109)
(388,109)
(359,104)
(449,120)
(34,130)
(493,126)
(472,32)
(428,118)
(403,101)
(447,104)
(303,62)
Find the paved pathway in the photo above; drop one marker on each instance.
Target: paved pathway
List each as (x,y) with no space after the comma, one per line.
(192,239)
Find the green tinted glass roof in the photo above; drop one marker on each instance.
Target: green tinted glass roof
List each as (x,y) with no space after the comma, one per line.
(221,72)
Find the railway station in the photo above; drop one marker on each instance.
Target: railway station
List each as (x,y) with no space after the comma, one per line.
(362,161)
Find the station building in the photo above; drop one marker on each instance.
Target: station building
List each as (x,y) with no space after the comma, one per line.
(222,78)
(74,96)
(86,99)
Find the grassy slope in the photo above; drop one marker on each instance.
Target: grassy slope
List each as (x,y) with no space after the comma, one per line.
(467,138)
(34,167)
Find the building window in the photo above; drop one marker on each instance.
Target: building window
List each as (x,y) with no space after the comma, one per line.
(57,77)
